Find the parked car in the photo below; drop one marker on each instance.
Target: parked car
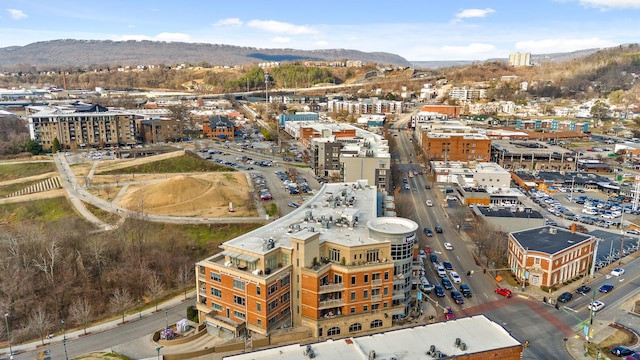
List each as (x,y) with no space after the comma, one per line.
(293,205)
(622,351)
(433,258)
(465,290)
(457,297)
(605,288)
(617,272)
(565,297)
(583,289)
(504,292)
(596,306)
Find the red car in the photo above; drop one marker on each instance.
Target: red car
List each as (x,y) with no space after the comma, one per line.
(427,249)
(504,292)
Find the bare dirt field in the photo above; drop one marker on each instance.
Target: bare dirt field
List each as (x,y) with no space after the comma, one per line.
(197,195)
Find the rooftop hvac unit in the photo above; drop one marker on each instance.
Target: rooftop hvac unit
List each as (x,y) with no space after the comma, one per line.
(372,354)
(458,341)
(463,346)
(553,230)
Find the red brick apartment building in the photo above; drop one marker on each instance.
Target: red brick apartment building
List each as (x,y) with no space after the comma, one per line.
(331,265)
(444,146)
(549,255)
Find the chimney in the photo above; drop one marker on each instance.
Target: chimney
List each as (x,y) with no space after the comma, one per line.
(573,228)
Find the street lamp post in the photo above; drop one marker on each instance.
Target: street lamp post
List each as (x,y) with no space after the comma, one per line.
(140,310)
(6,323)
(166,320)
(158,350)
(64,340)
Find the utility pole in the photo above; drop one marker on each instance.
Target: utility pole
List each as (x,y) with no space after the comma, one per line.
(6,323)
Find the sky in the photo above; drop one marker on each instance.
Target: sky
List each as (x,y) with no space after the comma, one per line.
(416,30)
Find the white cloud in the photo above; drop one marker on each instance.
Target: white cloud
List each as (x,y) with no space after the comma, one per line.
(610,4)
(166,36)
(281,39)
(228,22)
(278,27)
(561,45)
(473,13)
(17,14)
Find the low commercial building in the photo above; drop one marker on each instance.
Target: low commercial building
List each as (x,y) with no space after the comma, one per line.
(219,127)
(333,266)
(550,255)
(470,338)
(515,218)
(451,146)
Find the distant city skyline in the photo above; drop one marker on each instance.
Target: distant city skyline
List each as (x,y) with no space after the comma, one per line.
(415,30)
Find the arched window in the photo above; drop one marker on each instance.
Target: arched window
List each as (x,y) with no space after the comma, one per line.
(333,331)
(376,324)
(355,327)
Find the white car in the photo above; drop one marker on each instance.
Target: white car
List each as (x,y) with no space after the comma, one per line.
(429,203)
(617,272)
(455,277)
(596,306)
(448,246)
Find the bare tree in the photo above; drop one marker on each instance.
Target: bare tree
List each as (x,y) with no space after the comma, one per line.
(155,289)
(40,322)
(81,312)
(184,278)
(120,301)
(458,216)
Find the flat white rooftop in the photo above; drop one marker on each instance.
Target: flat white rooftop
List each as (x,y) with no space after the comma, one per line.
(478,333)
(339,212)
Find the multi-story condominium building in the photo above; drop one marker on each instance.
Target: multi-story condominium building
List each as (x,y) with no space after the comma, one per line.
(345,153)
(80,125)
(331,265)
(549,255)
(520,59)
(365,106)
(464,93)
(449,146)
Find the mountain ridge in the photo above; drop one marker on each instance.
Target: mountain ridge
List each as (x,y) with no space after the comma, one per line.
(70,52)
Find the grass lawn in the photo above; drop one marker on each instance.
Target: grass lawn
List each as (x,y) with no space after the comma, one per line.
(188,163)
(45,210)
(22,170)
(11,188)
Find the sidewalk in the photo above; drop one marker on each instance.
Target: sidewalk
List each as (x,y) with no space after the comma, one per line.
(100,327)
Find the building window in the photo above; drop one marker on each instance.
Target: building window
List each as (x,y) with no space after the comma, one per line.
(258,290)
(285,259)
(215,277)
(216,292)
(353,296)
(334,255)
(284,281)
(365,308)
(372,255)
(355,327)
(376,324)
(238,315)
(333,331)
(337,279)
(259,322)
(386,275)
(216,306)
(284,298)
(536,261)
(366,278)
(272,305)
(353,309)
(366,294)
(272,289)
(238,284)
(258,307)
(238,300)
(385,291)
(273,320)
(353,280)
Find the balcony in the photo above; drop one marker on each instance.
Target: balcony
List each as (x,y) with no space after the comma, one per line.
(330,303)
(376,282)
(376,298)
(331,287)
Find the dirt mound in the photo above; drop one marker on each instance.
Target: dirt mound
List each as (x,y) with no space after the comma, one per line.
(206,195)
